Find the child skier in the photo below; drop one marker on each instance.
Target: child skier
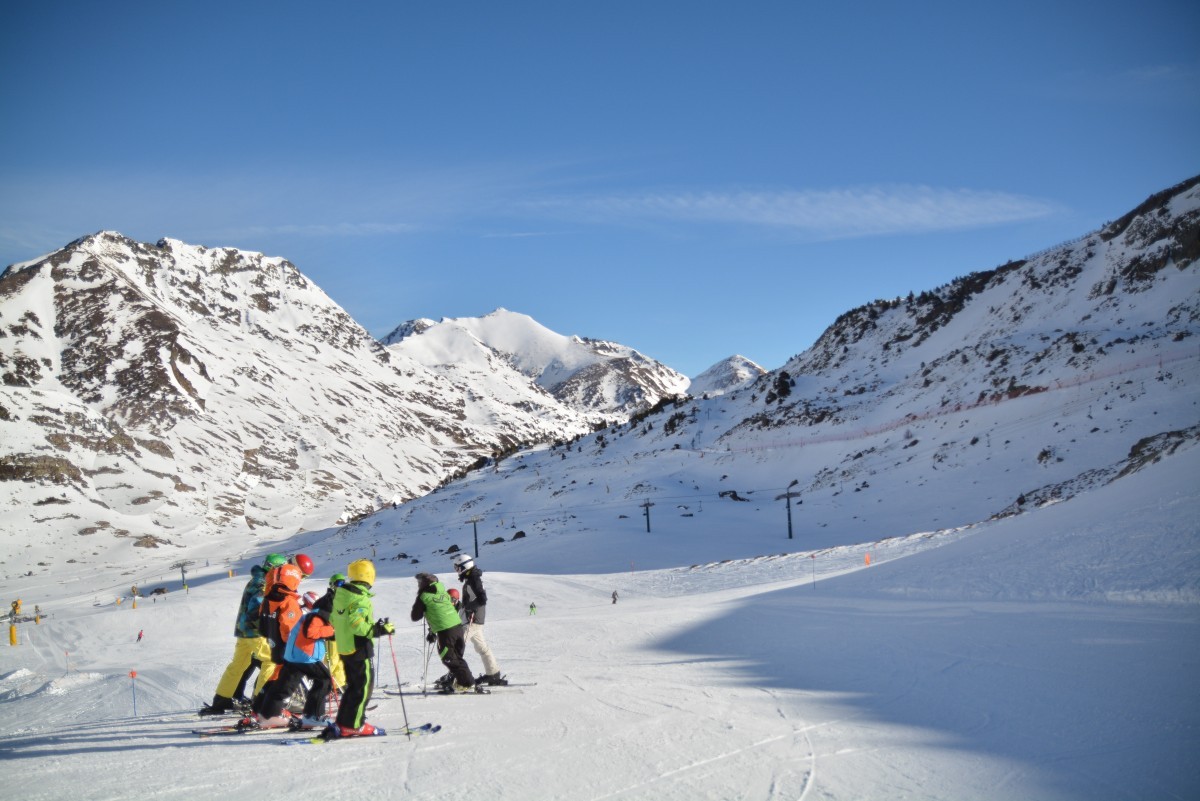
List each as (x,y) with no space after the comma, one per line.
(353,631)
(445,683)
(303,657)
(280,613)
(325,604)
(250,646)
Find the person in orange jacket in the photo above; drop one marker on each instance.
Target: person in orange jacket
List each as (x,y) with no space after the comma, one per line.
(303,656)
(281,611)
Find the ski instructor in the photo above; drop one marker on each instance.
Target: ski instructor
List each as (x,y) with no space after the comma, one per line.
(474,611)
(433,603)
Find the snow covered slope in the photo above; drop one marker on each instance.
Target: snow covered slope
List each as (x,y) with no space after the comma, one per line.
(1016,659)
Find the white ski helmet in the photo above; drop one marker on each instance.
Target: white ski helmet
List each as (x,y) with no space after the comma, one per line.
(464,562)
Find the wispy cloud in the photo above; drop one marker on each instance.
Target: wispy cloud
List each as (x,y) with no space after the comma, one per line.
(519,235)
(1155,73)
(345,229)
(826,214)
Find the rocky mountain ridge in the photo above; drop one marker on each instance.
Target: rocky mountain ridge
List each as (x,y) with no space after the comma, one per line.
(162,391)
(997,394)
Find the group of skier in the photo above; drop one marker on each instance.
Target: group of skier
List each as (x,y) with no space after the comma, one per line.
(329,640)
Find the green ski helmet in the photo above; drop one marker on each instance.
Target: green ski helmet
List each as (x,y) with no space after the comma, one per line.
(274,560)
(337,580)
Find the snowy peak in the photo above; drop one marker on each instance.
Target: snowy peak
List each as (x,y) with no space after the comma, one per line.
(601,379)
(159,392)
(405,330)
(725,376)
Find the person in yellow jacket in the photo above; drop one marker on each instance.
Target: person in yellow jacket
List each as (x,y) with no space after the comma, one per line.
(353,612)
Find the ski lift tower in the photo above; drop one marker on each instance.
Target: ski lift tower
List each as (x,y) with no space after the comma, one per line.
(183,566)
(789,495)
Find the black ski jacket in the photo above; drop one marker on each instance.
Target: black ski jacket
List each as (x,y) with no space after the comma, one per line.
(474,599)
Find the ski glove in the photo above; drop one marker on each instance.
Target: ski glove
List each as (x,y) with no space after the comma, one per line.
(383,627)
(431,637)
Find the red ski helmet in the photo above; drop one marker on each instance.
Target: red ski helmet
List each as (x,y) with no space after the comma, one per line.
(305,564)
(454,594)
(310,600)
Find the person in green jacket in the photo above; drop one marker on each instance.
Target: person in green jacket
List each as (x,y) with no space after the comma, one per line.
(445,627)
(353,630)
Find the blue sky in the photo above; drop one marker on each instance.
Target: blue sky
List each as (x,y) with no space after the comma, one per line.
(693,179)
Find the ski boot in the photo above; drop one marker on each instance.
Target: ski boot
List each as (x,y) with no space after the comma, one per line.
(492,679)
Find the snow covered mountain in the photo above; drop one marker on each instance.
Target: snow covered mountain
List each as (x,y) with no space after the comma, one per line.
(606,381)
(168,394)
(725,375)
(997,394)
(155,394)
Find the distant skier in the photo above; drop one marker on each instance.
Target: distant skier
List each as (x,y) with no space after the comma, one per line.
(474,611)
(532,608)
(140,635)
(614,596)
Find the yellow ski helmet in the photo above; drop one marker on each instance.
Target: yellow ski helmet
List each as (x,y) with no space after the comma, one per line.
(362,570)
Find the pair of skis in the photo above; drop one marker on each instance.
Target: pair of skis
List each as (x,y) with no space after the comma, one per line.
(411,690)
(412,731)
(227,731)
(224,731)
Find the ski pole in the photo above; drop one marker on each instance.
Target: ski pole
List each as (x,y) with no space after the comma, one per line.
(425,682)
(407,730)
(375,665)
(425,676)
